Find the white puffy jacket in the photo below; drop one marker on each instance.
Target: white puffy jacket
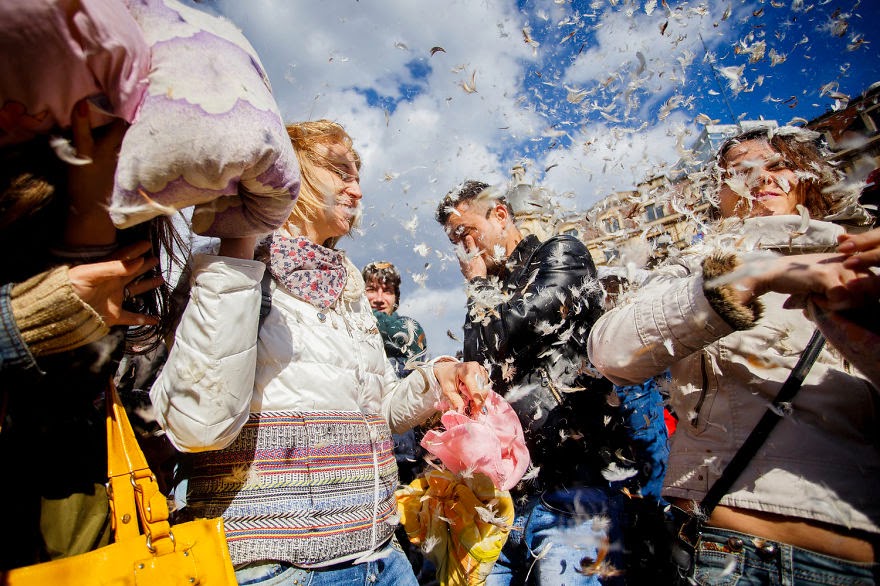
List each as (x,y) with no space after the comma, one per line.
(223,365)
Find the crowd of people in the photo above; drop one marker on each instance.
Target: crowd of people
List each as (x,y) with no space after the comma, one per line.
(293,397)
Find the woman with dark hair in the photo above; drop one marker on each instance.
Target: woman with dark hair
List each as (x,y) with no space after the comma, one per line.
(725,318)
(76,294)
(71,285)
(800,172)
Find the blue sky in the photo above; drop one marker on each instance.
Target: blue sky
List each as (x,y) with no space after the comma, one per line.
(591,97)
(793,59)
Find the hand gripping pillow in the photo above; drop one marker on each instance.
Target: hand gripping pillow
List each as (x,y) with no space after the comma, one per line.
(208,133)
(491,442)
(57,52)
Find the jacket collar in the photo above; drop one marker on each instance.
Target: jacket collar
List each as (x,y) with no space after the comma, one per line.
(355,288)
(523,251)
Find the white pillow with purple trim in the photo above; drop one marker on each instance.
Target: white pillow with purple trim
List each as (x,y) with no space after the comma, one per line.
(208,133)
(57,52)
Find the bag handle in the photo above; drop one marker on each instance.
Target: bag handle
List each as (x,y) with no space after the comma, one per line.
(762,430)
(131,486)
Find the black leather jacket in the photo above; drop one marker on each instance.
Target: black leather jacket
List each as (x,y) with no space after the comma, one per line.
(533,340)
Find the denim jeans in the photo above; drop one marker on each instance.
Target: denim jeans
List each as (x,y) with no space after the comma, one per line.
(725,558)
(642,407)
(565,537)
(392,569)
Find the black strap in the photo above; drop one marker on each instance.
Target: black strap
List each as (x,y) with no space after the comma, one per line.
(759,434)
(265,296)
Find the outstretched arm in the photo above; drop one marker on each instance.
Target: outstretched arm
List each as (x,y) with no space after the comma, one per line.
(828,279)
(669,317)
(413,399)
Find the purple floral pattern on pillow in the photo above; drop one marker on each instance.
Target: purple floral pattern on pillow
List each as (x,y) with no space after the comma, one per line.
(209,132)
(311,272)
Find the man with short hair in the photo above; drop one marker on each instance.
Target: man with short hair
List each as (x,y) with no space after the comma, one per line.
(531,305)
(403,336)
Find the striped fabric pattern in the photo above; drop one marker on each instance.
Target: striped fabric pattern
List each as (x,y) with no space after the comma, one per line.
(308,488)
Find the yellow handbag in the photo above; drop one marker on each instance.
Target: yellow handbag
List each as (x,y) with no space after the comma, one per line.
(152,552)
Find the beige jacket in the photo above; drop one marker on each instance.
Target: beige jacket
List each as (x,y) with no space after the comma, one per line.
(822,461)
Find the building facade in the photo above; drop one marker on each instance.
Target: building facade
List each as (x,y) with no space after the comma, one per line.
(670,210)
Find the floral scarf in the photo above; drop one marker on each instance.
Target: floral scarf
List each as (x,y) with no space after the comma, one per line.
(309,271)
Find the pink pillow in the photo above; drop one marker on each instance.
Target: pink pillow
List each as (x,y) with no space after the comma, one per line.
(209,132)
(491,443)
(56,53)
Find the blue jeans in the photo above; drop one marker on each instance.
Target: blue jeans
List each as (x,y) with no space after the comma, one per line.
(569,537)
(642,407)
(392,569)
(725,558)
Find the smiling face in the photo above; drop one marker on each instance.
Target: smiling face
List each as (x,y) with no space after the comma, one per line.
(757,181)
(339,182)
(381,296)
(486,223)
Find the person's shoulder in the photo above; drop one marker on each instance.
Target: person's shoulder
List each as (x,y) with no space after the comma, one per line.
(395,321)
(418,326)
(406,319)
(563,241)
(561,248)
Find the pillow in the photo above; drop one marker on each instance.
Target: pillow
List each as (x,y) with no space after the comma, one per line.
(491,442)
(208,133)
(56,53)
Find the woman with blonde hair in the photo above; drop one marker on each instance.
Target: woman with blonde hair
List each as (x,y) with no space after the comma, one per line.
(726,319)
(290,409)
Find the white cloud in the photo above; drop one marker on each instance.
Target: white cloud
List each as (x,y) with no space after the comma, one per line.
(604,159)
(368,65)
(438,311)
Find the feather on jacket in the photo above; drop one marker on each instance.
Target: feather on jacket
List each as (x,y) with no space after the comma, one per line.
(822,461)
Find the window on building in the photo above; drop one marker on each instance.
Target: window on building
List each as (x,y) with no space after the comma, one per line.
(610,254)
(871,118)
(611,225)
(654,211)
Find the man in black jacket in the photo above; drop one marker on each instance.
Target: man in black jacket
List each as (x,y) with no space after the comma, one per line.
(531,305)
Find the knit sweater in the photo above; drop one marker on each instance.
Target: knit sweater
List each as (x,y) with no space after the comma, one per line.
(48,316)
(53,407)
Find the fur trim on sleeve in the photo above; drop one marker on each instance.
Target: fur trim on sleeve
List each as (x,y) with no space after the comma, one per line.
(723,298)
